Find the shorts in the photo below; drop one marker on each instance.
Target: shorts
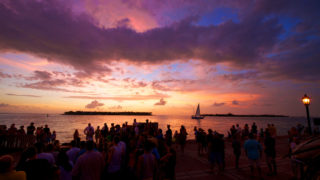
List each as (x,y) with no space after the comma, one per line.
(254,161)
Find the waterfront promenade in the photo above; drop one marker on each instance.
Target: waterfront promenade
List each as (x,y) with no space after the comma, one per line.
(190,166)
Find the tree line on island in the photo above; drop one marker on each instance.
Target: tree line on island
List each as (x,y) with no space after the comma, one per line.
(107,113)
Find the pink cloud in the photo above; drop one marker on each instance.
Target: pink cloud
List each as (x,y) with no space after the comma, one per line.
(162,102)
(94,104)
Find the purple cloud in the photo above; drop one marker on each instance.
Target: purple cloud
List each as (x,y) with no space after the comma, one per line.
(3,105)
(23,95)
(235,102)
(88,48)
(162,102)
(65,37)
(94,104)
(123,98)
(218,104)
(4,75)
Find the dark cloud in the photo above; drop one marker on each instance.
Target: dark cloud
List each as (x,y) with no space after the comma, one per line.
(250,75)
(23,95)
(94,104)
(161,102)
(52,31)
(123,98)
(55,81)
(235,102)
(3,105)
(218,104)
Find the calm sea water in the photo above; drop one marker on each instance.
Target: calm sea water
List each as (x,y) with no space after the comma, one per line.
(66,125)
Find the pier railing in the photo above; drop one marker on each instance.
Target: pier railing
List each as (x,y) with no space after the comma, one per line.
(16,142)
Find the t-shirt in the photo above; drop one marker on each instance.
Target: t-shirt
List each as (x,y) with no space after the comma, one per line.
(89,166)
(73,154)
(252,148)
(13,175)
(47,156)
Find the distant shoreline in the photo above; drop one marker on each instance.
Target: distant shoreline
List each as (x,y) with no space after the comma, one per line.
(108,113)
(244,115)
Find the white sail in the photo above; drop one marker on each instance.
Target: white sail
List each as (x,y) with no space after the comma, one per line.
(198,111)
(197,115)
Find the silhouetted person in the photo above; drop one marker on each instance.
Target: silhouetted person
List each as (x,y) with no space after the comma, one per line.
(89,166)
(253,151)
(147,163)
(270,151)
(31,129)
(168,136)
(236,145)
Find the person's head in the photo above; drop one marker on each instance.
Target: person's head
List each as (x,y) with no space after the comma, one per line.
(168,126)
(134,120)
(105,124)
(63,160)
(89,124)
(82,145)
(116,139)
(98,127)
(6,163)
(12,125)
(31,153)
(56,143)
(54,132)
(46,126)
(210,131)
(50,148)
(267,133)
(32,124)
(90,145)
(251,136)
(237,125)
(73,143)
(39,146)
(195,128)
(21,127)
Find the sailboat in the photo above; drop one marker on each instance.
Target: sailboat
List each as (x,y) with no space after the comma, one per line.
(197,115)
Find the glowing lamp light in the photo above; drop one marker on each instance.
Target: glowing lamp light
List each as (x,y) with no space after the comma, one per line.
(306,100)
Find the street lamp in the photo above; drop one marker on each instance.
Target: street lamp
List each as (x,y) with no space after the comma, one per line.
(306,102)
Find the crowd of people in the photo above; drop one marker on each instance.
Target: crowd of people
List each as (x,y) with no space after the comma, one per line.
(137,151)
(213,145)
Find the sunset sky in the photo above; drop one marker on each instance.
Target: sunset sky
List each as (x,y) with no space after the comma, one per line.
(162,56)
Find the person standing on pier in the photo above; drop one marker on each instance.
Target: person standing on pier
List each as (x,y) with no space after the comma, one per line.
(89,131)
(168,136)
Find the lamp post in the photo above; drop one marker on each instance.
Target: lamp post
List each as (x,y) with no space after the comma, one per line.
(306,102)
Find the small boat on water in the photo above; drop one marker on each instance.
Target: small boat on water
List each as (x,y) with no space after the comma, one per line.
(197,115)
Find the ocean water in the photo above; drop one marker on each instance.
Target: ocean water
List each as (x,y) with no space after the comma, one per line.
(65,125)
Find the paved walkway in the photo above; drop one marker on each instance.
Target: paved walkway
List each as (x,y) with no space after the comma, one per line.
(191,166)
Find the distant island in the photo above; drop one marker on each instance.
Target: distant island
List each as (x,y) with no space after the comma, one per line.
(128,113)
(244,115)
